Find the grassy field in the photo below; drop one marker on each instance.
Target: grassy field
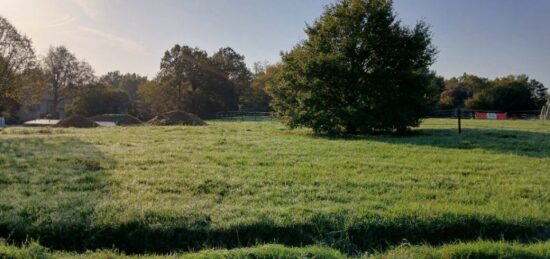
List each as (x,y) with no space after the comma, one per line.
(239,184)
(478,249)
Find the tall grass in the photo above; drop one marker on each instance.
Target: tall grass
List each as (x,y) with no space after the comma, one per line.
(477,249)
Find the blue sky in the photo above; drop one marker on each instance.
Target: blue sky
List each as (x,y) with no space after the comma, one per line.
(485,37)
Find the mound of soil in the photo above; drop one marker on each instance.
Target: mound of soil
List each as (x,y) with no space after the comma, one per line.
(76,121)
(177,118)
(118,119)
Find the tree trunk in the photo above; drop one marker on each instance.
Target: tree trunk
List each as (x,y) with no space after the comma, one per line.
(55,102)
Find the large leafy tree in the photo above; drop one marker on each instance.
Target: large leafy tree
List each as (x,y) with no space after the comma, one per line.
(182,68)
(360,70)
(198,83)
(18,66)
(66,76)
(234,68)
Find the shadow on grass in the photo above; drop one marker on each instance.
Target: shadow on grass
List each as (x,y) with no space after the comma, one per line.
(524,143)
(337,231)
(49,187)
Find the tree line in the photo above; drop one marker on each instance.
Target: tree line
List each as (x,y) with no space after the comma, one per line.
(189,80)
(508,93)
(360,70)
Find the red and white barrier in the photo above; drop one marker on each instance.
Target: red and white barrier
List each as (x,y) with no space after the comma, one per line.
(491,116)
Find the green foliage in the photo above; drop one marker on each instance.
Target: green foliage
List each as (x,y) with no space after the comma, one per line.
(156,98)
(19,72)
(235,184)
(99,99)
(200,84)
(457,90)
(510,93)
(128,83)
(31,250)
(359,71)
(257,98)
(66,76)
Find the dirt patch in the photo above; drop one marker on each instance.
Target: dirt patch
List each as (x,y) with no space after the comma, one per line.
(77,121)
(177,118)
(118,119)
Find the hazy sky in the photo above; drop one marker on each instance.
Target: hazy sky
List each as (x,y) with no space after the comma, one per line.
(485,37)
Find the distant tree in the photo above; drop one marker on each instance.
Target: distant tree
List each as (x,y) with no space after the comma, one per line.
(264,77)
(437,86)
(510,93)
(182,69)
(233,66)
(458,89)
(539,92)
(128,82)
(19,72)
(66,76)
(99,99)
(197,82)
(156,98)
(360,70)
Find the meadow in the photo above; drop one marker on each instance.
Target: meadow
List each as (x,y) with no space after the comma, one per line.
(160,190)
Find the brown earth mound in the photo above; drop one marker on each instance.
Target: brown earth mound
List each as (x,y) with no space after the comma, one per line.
(177,118)
(77,121)
(118,119)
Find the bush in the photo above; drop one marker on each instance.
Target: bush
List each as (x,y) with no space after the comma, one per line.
(359,71)
(100,100)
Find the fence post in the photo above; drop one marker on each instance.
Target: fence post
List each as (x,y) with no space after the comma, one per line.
(459,116)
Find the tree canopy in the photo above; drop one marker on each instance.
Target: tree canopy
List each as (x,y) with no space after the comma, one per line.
(508,93)
(66,76)
(198,83)
(18,65)
(99,99)
(359,70)
(128,83)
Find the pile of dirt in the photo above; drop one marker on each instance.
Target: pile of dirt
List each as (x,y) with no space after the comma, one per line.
(76,121)
(118,119)
(177,118)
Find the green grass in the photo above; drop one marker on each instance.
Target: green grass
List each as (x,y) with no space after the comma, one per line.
(237,184)
(34,250)
(478,249)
